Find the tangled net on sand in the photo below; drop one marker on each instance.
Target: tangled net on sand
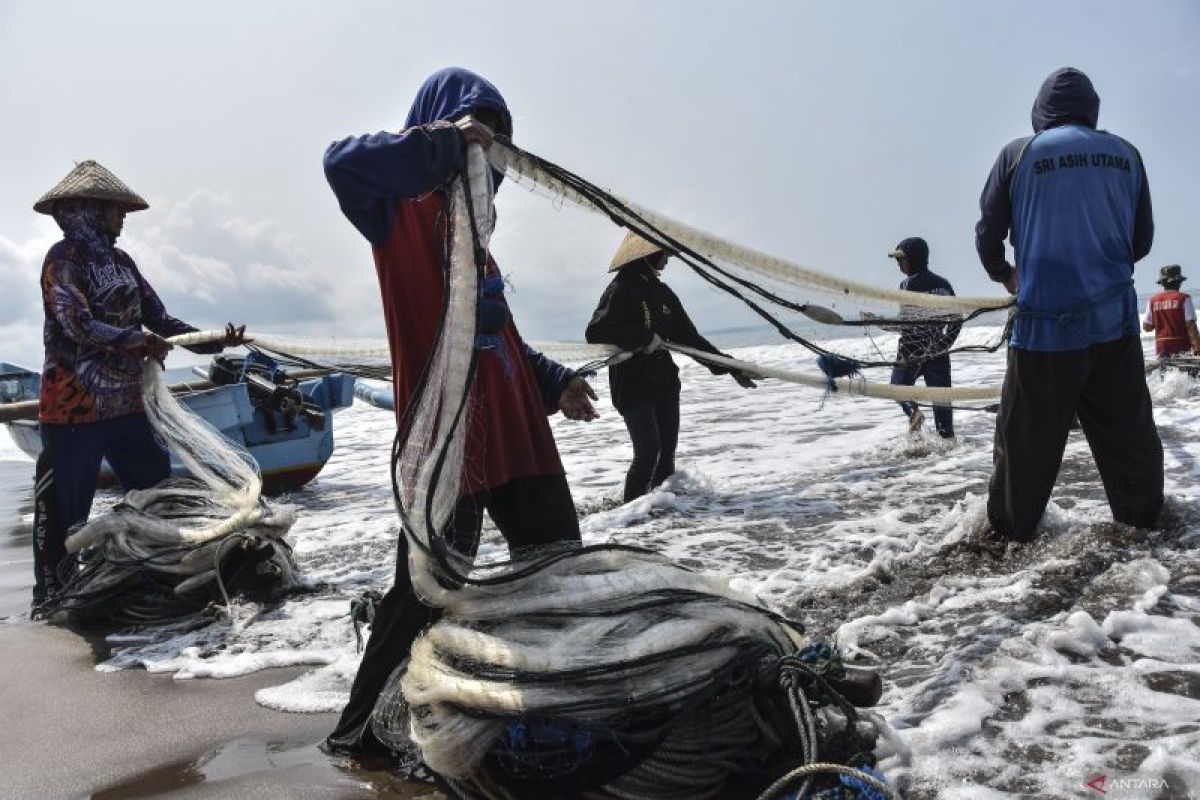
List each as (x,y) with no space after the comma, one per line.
(164,552)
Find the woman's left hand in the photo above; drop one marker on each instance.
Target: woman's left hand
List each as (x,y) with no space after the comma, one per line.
(576,401)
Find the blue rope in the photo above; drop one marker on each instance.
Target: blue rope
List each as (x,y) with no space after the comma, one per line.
(834,366)
(492,315)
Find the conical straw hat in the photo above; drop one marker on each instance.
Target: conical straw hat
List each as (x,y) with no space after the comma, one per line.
(632,248)
(90,180)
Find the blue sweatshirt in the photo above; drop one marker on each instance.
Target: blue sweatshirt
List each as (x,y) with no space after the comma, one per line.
(372,174)
(1075,203)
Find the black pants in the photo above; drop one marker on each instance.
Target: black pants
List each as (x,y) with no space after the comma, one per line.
(528,511)
(936,373)
(654,431)
(65,481)
(1106,385)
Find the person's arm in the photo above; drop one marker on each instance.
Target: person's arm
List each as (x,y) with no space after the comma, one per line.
(618,320)
(995,215)
(1189,316)
(552,378)
(368,174)
(685,333)
(562,388)
(1194,335)
(951,329)
(67,303)
(1148,317)
(1143,221)
(947,335)
(156,318)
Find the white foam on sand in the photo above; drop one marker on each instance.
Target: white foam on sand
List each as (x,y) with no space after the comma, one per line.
(1012,677)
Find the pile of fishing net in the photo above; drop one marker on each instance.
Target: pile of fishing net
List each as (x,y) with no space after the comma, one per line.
(609,672)
(597,672)
(173,549)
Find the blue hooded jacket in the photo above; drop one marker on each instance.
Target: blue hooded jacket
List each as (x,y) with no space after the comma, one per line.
(371,174)
(1075,203)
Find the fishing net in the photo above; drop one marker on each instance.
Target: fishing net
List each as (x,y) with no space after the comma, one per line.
(604,671)
(848,326)
(172,549)
(365,358)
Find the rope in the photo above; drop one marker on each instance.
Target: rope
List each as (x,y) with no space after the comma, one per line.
(599,356)
(816,768)
(934,395)
(643,223)
(515,161)
(359,348)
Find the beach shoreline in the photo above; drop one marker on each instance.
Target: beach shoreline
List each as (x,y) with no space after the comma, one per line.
(73,732)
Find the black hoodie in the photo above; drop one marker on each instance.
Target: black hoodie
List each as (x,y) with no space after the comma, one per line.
(634,307)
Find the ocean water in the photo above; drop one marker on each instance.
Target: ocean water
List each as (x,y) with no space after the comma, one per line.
(16,530)
(1075,660)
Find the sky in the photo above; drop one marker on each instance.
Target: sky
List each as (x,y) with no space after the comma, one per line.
(822,132)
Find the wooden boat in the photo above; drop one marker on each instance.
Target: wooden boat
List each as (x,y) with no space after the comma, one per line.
(282,419)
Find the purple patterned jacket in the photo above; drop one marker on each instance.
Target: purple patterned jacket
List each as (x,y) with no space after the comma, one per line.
(96,302)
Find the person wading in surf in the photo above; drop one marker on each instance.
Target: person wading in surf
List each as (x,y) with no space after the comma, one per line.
(1172,317)
(922,351)
(637,313)
(1075,202)
(103,320)
(395,188)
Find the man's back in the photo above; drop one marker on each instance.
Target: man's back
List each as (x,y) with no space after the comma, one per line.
(1074,203)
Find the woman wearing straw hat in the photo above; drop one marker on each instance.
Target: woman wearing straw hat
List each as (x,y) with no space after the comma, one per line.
(638,312)
(96,304)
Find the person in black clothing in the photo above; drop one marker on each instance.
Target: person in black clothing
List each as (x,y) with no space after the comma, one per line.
(922,352)
(638,312)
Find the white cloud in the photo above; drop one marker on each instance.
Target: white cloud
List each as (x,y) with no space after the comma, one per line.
(211,266)
(208,265)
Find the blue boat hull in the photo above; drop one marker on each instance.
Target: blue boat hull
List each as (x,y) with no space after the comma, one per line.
(289,454)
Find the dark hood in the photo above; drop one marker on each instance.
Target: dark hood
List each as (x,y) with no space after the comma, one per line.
(916,251)
(449,92)
(1066,96)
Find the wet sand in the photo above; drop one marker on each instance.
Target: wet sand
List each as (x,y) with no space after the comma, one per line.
(71,732)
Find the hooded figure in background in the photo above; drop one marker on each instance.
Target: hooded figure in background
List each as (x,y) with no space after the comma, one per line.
(103,320)
(923,350)
(395,188)
(637,313)
(1075,204)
